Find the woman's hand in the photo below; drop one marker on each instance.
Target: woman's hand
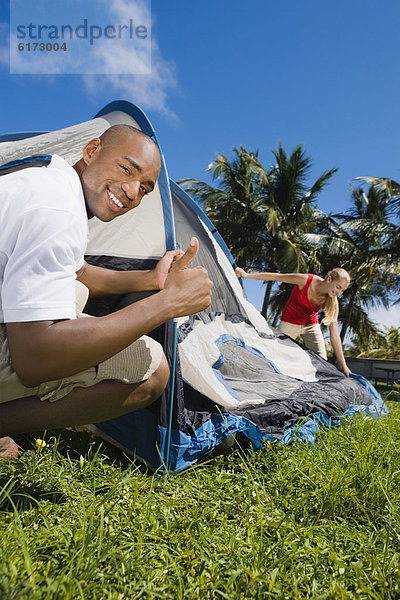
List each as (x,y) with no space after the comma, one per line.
(240,273)
(345,369)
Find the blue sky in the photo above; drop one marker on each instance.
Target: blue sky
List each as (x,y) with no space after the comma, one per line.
(228,73)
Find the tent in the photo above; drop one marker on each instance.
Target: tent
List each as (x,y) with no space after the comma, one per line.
(231,373)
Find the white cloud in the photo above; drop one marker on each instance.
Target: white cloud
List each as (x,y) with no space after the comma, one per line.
(148,90)
(121,67)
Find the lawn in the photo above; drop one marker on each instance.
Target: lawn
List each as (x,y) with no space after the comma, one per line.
(79,520)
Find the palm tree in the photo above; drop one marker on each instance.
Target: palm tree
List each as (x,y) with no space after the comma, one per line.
(236,206)
(370,261)
(384,344)
(294,202)
(391,189)
(262,214)
(361,241)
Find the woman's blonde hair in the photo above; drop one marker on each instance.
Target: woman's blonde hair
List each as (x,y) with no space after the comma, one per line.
(331,308)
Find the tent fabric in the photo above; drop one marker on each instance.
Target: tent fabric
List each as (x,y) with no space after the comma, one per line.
(233,374)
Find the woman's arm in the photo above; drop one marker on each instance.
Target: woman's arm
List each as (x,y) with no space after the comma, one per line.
(299,279)
(338,348)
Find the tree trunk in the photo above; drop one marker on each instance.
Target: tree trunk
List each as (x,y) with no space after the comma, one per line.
(275,320)
(266,299)
(346,322)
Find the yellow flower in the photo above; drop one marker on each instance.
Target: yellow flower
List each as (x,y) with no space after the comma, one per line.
(40,443)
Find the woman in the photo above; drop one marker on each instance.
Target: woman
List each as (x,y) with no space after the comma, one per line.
(300,315)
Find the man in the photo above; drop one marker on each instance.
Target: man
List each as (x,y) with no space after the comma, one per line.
(57,370)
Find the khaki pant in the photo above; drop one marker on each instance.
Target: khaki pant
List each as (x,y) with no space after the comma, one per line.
(134,364)
(311,335)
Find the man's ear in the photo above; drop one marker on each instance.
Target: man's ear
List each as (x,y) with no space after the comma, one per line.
(91,149)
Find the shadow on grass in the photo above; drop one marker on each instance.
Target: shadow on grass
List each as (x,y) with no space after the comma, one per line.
(73,444)
(15,494)
(33,477)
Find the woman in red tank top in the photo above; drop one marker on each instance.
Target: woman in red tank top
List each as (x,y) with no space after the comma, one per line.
(310,294)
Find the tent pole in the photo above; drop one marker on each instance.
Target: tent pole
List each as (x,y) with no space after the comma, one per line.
(171,405)
(170,243)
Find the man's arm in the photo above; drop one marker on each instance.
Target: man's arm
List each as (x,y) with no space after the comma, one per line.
(47,350)
(338,348)
(103,282)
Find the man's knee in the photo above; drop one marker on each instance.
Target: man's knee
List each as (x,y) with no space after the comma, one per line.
(160,377)
(151,389)
(106,400)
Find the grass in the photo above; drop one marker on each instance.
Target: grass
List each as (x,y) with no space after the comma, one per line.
(81,521)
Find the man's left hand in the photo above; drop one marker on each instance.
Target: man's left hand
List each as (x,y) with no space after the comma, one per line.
(163,267)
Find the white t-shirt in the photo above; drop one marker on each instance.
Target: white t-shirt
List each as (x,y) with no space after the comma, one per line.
(43,238)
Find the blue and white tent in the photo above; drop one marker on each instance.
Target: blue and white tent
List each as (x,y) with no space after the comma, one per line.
(230,371)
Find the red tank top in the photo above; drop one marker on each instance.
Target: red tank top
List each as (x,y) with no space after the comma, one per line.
(298,309)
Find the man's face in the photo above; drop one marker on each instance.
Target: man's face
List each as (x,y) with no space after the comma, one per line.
(118,174)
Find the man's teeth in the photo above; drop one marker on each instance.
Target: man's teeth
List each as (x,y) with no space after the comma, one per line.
(115,200)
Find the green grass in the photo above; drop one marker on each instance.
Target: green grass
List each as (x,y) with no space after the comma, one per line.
(79,520)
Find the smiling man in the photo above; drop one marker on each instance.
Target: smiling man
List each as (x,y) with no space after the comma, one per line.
(55,369)
(123,169)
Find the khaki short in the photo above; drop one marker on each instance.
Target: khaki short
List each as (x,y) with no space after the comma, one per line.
(134,364)
(311,335)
